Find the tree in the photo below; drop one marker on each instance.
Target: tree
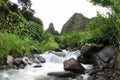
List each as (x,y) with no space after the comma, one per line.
(25,3)
(114,16)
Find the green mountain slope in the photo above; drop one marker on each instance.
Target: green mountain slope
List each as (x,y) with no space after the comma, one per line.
(75,23)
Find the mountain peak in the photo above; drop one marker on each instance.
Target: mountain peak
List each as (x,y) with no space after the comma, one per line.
(52,30)
(75,23)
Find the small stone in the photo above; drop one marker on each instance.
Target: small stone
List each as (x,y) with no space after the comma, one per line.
(37,66)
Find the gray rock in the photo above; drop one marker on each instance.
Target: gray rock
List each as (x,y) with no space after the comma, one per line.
(97,58)
(73,65)
(103,60)
(56,78)
(64,74)
(49,78)
(18,62)
(61,54)
(35,60)
(37,66)
(9,60)
(22,66)
(38,57)
(26,61)
(107,54)
(42,60)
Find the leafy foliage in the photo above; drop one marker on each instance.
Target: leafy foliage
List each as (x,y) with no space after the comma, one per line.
(13,45)
(25,3)
(113,17)
(73,39)
(21,31)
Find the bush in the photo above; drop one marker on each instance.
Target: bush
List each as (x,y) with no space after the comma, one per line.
(48,43)
(9,44)
(73,39)
(13,45)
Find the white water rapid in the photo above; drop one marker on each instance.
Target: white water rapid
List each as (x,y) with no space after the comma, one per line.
(53,63)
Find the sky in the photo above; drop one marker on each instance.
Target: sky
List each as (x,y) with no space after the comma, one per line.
(59,11)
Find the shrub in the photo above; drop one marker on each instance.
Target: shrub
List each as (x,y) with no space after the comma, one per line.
(9,44)
(13,45)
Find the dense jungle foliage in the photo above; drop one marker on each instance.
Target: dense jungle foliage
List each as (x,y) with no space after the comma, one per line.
(22,32)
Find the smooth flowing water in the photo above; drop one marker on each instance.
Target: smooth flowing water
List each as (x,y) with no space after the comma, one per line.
(53,63)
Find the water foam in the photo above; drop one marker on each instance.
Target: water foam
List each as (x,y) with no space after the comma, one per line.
(53,63)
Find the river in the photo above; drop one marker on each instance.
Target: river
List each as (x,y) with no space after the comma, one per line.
(53,63)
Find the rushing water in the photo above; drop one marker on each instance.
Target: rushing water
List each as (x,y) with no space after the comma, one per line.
(53,63)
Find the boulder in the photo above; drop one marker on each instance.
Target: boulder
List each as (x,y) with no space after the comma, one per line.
(73,65)
(89,49)
(91,60)
(94,60)
(18,62)
(9,60)
(55,78)
(105,64)
(37,58)
(97,55)
(26,61)
(82,59)
(48,78)
(62,74)
(107,56)
(36,61)
(61,54)
(88,54)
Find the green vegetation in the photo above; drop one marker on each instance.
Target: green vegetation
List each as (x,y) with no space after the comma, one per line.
(73,39)
(12,44)
(21,31)
(100,29)
(112,22)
